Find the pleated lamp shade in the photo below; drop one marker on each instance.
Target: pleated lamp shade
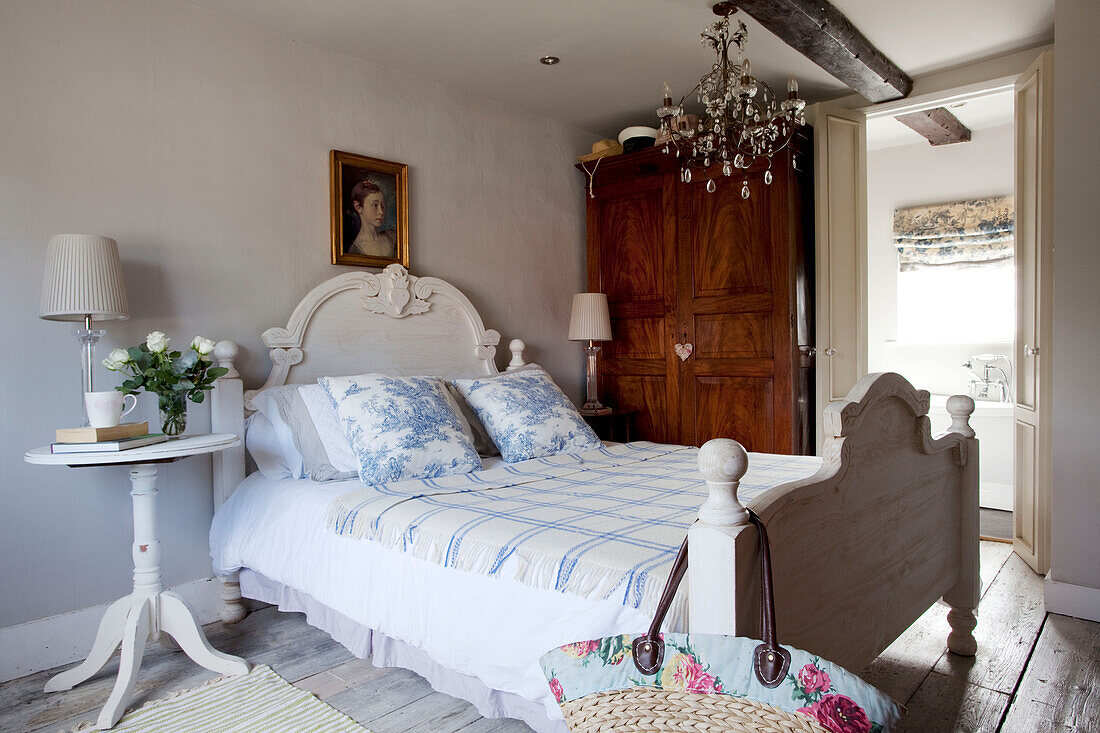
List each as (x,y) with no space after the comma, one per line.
(590,320)
(83,277)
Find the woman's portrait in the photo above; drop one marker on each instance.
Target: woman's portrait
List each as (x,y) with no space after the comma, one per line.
(369,211)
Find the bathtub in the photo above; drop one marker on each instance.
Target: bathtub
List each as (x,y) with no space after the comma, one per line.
(993,424)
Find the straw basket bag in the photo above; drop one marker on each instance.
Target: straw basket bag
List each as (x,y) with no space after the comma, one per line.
(710,682)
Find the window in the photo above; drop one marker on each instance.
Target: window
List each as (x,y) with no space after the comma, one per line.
(956,279)
(953,304)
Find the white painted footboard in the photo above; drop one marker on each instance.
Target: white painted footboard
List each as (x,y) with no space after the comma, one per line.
(859,551)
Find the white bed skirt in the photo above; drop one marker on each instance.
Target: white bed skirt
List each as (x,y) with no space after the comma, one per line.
(385,651)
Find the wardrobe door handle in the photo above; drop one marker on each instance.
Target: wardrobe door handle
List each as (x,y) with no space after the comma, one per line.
(1030,351)
(830,351)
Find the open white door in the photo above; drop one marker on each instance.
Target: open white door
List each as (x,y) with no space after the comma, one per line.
(1034,306)
(840,271)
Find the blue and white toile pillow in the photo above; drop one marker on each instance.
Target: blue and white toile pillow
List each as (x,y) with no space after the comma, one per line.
(527,415)
(401,427)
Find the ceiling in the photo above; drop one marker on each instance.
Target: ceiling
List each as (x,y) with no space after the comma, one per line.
(615,54)
(980,113)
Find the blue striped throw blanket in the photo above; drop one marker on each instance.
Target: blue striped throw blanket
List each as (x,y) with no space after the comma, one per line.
(591,524)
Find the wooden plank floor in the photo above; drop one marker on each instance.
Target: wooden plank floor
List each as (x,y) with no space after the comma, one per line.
(1033,672)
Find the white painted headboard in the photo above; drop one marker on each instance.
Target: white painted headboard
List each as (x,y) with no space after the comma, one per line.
(359,322)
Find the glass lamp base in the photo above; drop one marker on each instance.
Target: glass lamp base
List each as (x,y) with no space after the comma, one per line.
(88,337)
(592,405)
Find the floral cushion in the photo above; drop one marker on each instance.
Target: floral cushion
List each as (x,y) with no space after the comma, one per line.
(711,664)
(401,427)
(527,415)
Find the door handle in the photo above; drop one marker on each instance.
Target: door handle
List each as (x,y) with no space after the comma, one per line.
(1030,351)
(830,351)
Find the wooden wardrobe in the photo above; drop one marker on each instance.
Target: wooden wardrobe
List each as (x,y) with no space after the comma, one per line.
(731,276)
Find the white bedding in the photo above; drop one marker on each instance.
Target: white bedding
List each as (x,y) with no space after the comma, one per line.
(491,628)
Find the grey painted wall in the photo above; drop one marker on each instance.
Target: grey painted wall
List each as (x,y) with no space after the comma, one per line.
(201,145)
(1075,500)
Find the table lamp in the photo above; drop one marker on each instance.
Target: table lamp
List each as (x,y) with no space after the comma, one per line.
(83,282)
(590,322)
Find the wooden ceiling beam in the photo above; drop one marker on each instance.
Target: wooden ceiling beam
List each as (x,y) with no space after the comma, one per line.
(822,34)
(938,125)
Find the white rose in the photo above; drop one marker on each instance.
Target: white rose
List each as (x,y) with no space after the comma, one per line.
(156,341)
(202,345)
(116,359)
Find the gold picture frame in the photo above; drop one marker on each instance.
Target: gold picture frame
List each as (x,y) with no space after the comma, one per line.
(369,200)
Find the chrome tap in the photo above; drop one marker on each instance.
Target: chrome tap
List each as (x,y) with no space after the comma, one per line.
(994,381)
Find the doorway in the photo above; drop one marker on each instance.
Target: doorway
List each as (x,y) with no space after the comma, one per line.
(941,275)
(844,309)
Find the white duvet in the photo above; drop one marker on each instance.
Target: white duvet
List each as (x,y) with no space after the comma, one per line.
(490,628)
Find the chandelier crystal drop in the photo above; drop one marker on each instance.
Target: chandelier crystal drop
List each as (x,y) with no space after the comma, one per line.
(742,122)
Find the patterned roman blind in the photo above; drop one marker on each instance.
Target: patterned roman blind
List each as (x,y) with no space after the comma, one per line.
(970,233)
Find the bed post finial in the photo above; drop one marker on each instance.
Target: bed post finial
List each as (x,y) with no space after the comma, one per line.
(516,346)
(225,352)
(723,462)
(960,407)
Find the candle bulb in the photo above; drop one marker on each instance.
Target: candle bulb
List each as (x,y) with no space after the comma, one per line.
(746,74)
(666,90)
(792,87)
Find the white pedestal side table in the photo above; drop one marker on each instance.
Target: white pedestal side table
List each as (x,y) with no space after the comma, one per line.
(138,618)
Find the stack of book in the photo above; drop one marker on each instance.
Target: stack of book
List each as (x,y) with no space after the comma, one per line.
(106,440)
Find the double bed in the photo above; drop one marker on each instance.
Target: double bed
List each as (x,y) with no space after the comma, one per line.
(468,580)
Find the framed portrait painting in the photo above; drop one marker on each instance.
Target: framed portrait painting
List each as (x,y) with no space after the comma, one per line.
(370,211)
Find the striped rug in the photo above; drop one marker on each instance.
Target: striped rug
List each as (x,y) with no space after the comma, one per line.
(252,703)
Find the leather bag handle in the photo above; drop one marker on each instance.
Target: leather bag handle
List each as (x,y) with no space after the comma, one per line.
(770,661)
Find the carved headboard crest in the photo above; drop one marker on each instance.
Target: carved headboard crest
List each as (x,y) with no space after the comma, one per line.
(395,295)
(388,293)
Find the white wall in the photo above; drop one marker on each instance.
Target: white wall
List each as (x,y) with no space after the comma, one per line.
(911,175)
(201,145)
(1075,501)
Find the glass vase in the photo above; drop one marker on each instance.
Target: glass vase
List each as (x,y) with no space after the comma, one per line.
(173,413)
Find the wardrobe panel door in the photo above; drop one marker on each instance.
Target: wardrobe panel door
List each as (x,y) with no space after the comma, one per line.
(734,308)
(631,236)
(746,414)
(730,251)
(630,240)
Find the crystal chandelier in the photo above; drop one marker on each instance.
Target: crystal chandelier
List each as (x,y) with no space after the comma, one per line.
(742,121)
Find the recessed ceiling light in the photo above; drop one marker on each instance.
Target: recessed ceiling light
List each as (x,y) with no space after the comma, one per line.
(549,60)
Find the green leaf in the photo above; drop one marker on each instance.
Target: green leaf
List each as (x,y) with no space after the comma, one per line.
(135,353)
(198,397)
(215,372)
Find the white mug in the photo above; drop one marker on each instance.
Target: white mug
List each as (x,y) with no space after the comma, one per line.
(105,408)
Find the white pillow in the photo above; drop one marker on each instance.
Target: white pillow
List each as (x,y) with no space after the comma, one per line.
(267,403)
(527,415)
(401,427)
(264,447)
(331,435)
